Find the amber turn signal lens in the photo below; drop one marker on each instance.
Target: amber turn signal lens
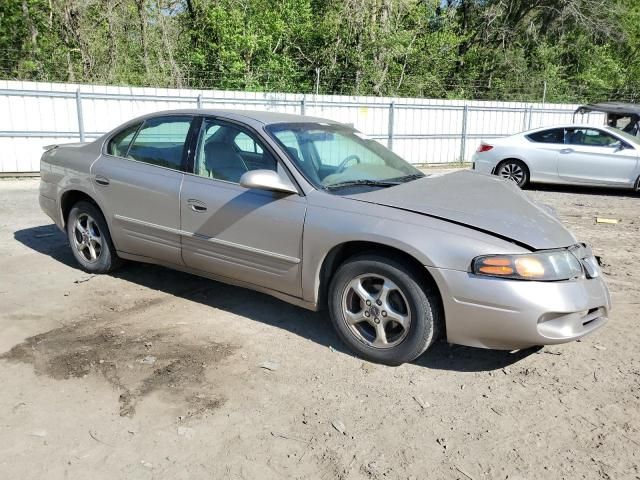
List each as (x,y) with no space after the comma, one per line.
(496,270)
(496,261)
(496,266)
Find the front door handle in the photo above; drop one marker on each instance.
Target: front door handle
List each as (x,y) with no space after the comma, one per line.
(197,205)
(566,150)
(100,180)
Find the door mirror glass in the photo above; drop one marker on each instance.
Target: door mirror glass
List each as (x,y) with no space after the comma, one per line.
(620,145)
(267,180)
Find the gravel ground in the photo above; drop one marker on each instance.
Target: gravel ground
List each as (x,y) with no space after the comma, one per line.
(149,373)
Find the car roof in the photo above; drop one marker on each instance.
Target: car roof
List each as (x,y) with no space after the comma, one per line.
(568,125)
(260,116)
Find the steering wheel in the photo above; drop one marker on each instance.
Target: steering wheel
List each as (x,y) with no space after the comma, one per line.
(343,166)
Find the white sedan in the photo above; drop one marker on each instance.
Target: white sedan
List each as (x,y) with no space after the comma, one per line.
(573,154)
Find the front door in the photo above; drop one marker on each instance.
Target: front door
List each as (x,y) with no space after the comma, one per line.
(591,155)
(138,181)
(245,234)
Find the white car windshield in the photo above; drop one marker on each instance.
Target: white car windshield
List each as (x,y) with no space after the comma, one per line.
(333,157)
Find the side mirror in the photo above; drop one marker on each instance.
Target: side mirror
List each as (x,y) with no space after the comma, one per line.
(266,180)
(619,145)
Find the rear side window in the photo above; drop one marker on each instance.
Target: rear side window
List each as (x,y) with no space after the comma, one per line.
(555,135)
(161,142)
(119,143)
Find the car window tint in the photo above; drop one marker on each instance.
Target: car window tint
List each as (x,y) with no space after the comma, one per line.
(119,143)
(229,152)
(589,137)
(336,148)
(161,142)
(555,135)
(246,144)
(290,142)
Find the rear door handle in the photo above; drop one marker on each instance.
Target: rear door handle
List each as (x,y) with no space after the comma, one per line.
(197,205)
(100,180)
(566,150)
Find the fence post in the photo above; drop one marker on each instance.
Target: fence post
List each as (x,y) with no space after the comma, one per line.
(463,142)
(530,116)
(79,111)
(392,110)
(303,104)
(199,101)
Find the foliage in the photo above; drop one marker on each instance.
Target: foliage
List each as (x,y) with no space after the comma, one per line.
(485,49)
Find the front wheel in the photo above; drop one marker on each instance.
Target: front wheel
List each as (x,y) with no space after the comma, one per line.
(382,310)
(90,240)
(514,170)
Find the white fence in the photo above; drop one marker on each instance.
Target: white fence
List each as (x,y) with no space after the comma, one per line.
(422,131)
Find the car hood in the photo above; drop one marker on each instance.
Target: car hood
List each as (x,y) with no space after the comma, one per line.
(478,201)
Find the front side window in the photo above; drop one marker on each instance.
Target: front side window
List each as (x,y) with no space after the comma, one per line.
(246,144)
(555,135)
(589,137)
(226,152)
(334,156)
(119,143)
(161,141)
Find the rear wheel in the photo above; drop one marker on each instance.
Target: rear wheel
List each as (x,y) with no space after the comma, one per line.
(382,310)
(90,240)
(514,170)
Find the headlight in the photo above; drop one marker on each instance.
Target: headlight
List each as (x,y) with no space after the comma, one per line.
(542,266)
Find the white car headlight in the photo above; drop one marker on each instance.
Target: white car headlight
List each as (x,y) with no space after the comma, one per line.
(546,266)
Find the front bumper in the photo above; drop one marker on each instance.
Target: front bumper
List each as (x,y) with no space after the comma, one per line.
(510,314)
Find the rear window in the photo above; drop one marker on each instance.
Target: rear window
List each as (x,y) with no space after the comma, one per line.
(554,135)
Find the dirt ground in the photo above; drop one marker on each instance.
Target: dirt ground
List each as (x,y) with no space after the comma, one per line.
(149,373)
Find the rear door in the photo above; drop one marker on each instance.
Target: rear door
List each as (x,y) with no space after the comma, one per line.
(594,156)
(250,235)
(138,180)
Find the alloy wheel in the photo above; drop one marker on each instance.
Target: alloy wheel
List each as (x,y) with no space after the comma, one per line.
(512,171)
(87,238)
(376,311)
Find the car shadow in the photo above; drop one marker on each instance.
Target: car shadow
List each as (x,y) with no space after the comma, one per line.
(314,326)
(582,190)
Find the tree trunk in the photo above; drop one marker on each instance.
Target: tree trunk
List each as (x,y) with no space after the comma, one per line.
(142,19)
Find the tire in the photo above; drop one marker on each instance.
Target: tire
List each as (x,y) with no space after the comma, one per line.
(364,327)
(514,170)
(90,240)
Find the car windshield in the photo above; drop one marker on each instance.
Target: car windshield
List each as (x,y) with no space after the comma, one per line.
(629,138)
(335,157)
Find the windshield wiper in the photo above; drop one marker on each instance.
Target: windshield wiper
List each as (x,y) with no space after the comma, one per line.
(408,178)
(368,183)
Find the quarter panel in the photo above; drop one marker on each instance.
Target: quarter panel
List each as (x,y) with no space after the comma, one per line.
(67,168)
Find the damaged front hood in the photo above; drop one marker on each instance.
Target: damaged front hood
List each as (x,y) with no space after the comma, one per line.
(478,201)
